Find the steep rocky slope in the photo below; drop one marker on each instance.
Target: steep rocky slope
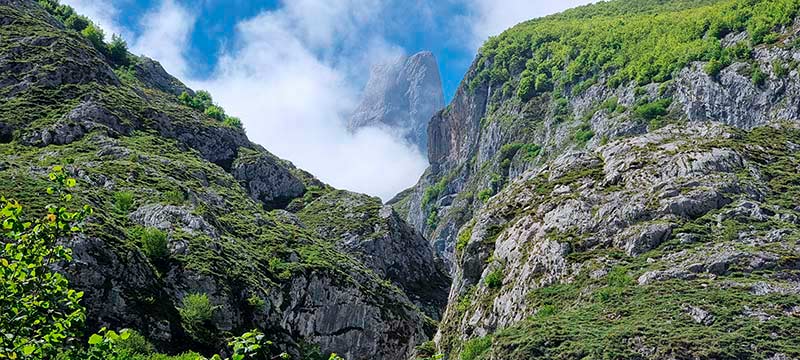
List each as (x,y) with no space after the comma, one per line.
(152,166)
(402,96)
(619,181)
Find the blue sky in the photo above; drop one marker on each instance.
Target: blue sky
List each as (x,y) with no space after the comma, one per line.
(293,70)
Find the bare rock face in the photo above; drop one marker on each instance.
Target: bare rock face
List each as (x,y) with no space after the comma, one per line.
(152,74)
(402,96)
(267,179)
(375,234)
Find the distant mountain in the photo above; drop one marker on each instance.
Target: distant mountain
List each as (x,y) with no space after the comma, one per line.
(403,96)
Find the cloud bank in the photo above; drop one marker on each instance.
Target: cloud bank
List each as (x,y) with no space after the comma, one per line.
(294,73)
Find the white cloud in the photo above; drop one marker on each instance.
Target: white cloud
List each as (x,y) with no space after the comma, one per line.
(293,96)
(491,17)
(294,73)
(165,36)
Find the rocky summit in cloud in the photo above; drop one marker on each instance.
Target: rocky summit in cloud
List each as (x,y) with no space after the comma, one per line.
(402,95)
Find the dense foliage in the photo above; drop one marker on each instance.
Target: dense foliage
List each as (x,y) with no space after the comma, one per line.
(39,313)
(203,102)
(116,51)
(641,41)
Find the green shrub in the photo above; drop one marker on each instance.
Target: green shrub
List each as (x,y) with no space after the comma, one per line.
(433,219)
(485,194)
(77,22)
(583,134)
(154,243)
(494,280)
(741,51)
(757,75)
(463,238)
(713,67)
(202,100)
(432,193)
(654,109)
(95,36)
(215,112)
(233,122)
(780,69)
(118,51)
(530,151)
(474,348)
(196,310)
(123,201)
(256,302)
(526,88)
(40,312)
(610,104)
(135,344)
(543,83)
(174,197)
(546,310)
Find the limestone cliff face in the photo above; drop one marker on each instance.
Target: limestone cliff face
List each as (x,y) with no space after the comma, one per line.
(218,198)
(402,96)
(576,211)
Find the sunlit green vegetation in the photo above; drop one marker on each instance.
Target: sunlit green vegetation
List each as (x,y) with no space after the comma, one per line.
(641,41)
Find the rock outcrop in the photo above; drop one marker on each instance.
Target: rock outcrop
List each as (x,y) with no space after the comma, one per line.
(402,96)
(584,196)
(160,173)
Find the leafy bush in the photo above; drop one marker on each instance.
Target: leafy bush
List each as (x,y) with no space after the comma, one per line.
(713,67)
(474,348)
(485,194)
(530,151)
(77,22)
(543,83)
(610,104)
(256,302)
(174,197)
(780,69)
(135,344)
(41,315)
(233,122)
(433,219)
(432,193)
(123,202)
(118,51)
(583,134)
(202,100)
(494,279)
(757,75)
(196,312)
(215,112)
(526,88)
(654,109)
(463,238)
(154,243)
(95,36)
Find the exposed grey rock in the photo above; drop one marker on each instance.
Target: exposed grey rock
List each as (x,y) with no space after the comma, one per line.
(641,240)
(152,74)
(113,283)
(343,322)
(402,96)
(386,244)
(168,217)
(84,118)
(267,179)
(699,315)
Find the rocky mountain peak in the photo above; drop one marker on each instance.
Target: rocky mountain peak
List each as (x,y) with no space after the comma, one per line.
(402,95)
